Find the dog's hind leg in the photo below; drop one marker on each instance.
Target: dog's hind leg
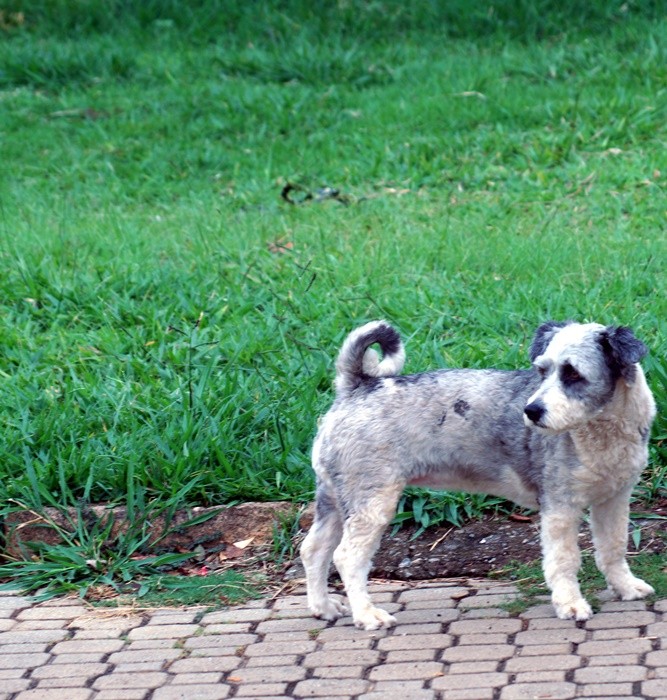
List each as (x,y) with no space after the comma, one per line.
(609,525)
(561,560)
(316,554)
(361,537)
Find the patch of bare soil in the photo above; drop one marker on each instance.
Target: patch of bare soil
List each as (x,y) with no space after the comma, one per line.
(479,549)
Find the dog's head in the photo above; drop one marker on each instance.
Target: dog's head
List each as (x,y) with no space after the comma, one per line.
(580,366)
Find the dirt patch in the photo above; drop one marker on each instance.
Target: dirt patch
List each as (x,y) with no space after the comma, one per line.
(479,549)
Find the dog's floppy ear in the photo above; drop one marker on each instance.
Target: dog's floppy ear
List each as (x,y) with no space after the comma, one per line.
(622,351)
(543,337)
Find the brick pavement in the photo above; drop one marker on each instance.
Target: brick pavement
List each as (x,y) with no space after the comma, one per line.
(452,642)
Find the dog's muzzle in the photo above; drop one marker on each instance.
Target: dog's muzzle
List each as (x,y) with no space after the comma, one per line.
(534,412)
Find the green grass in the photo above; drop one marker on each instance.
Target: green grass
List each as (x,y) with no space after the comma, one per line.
(502,164)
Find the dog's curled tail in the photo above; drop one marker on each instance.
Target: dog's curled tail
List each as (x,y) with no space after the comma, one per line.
(357,361)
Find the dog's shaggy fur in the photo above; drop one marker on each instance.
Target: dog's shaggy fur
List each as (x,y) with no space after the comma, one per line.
(569,434)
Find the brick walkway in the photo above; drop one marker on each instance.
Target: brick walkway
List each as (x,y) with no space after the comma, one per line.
(452,642)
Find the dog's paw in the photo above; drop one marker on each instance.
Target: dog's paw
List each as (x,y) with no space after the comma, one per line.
(374,618)
(633,589)
(577,609)
(329,609)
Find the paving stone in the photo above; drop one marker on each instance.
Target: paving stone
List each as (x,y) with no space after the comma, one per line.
(427,615)
(35,637)
(656,688)
(79,658)
(163,632)
(398,693)
(174,617)
(196,678)
(557,636)
(485,626)
(23,648)
(333,633)
(201,691)
(432,604)
(438,593)
(472,667)
(124,694)
(406,671)
(268,674)
(483,613)
(261,690)
(309,623)
(52,613)
(237,615)
(623,606)
(549,623)
(284,660)
(469,694)
(620,619)
(133,655)
(6,624)
(423,628)
(606,690)
(544,649)
(54,694)
(657,658)
(414,641)
(130,680)
(599,674)
(410,655)
(540,677)
(64,682)
(23,660)
(14,685)
(102,646)
(606,635)
(530,691)
(467,639)
(212,641)
(265,649)
(339,672)
(463,681)
(139,666)
(363,657)
(345,643)
(70,670)
(205,664)
(614,660)
(617,646)
(6,673)
(487,601)
(487,652)
(101,621)
(521,664)
(319,687)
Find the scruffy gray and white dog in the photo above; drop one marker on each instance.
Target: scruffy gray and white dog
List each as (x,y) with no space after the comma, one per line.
(568,434)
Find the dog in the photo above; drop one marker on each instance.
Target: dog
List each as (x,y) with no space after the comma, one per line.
(568,434)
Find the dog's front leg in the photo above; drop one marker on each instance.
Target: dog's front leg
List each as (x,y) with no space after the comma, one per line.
(561,561)
(609,525)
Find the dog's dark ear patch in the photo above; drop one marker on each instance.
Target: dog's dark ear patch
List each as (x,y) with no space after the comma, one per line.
(543,337)
(622,351)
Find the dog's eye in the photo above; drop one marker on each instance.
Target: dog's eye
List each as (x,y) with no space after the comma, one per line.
(569,375)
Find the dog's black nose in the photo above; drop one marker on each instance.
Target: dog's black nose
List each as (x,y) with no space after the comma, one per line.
(534,411)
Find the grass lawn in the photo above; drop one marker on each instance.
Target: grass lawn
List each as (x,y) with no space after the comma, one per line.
(168,321)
